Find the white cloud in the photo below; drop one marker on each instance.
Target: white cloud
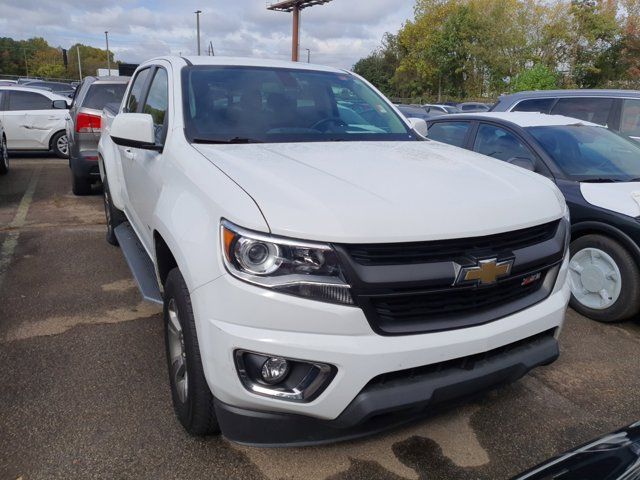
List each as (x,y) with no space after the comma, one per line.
(338,33)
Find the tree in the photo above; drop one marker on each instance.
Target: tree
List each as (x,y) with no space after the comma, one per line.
(539,77)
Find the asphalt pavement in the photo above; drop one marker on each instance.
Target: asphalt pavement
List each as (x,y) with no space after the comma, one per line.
(85,390)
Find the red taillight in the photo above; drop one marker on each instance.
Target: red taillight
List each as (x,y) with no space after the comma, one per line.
(86,123)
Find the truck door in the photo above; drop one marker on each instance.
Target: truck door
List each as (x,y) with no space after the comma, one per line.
(144,169)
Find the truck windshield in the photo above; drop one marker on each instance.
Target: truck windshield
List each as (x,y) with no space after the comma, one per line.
(590,154)
(271,105)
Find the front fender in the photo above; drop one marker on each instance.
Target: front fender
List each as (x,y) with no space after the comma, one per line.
(111,167)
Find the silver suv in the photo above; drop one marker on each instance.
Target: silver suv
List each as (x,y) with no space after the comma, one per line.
(83,127)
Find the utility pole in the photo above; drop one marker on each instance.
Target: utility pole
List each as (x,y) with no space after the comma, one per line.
(79,64)
(295,7)
(308,55)
(198,12)
(106,36)
(26,64)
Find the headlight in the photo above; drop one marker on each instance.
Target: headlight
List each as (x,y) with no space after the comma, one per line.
(306,269)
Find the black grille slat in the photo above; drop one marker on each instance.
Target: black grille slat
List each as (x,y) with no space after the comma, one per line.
(435,251)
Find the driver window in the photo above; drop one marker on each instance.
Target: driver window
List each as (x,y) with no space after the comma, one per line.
(499,143)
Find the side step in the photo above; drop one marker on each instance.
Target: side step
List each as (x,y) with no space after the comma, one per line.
(139,262)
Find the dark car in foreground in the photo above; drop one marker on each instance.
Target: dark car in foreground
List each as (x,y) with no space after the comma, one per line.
(615,456)
(598,171)
(617,109)
(84,127)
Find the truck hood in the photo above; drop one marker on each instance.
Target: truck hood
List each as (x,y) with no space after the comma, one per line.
(370,192)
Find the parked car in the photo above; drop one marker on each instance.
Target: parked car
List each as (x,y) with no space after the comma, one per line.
(468,107)
(83,127)
(60,88)
(323,279)
(413,112)
(34,119)
(441,109)
(598,171)
(615,456)
(7,83)
(4,152)
(617,109)
(23,80)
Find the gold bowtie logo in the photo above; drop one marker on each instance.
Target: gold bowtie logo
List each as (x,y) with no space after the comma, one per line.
(486,272)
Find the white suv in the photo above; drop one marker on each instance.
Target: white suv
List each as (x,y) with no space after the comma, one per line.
(325,271)
(34,119)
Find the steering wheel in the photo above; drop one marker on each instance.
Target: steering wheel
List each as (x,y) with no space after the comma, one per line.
(335,120)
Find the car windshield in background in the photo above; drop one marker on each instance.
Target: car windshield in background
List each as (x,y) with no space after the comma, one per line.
(589,153)
(101,94)
(452,109)
(252,104)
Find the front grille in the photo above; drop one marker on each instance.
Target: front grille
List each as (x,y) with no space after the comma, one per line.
(436,251)
(451,302)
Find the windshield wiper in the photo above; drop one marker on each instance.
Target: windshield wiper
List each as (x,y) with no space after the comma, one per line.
(212,141)
(601,180)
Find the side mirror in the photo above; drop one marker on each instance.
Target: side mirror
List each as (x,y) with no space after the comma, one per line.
(419,125)
(60,105)
(134,130)
(523,162)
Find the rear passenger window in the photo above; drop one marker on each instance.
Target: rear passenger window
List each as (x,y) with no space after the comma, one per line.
(453,133)
(28,101)
(540,105)
(134,98)
(157,102)
(630,124)
(499,143)
(594,110)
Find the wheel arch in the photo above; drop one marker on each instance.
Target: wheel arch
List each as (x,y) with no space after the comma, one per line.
(62,130)
(591,227)
(165,259)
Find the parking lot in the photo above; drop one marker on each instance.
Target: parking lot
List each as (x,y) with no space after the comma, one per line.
(85,390)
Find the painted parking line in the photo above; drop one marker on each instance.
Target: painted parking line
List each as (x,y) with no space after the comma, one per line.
(11,241)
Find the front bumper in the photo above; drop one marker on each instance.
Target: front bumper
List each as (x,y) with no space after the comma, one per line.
(233,315)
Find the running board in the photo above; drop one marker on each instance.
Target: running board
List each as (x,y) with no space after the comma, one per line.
(139,262)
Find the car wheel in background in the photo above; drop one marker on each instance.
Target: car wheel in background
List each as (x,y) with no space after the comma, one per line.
(114,216)
(80,186)
(60,145)
(192,398)
(604,279)
(4,157)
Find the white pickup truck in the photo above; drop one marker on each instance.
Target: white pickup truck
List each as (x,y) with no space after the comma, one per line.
(325,270)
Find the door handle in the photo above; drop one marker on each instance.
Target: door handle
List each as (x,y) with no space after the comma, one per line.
(129,153)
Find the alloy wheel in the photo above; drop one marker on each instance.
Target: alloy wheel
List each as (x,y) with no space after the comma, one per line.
(63,145)
(177,353)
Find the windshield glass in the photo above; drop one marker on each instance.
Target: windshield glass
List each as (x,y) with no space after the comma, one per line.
(588,153)
(253,104)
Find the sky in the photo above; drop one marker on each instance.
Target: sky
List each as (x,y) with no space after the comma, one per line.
(338,33)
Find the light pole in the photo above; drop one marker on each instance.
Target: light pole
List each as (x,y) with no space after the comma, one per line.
(198,12)
(106,36)
(308,55)
(79,64)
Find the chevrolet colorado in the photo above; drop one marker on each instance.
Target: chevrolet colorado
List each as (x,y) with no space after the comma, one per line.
(325,270)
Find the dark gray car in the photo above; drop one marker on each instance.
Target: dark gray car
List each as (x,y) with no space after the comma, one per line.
(84,127)
(617,109)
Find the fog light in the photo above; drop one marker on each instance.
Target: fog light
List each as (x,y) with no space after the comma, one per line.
(274,370)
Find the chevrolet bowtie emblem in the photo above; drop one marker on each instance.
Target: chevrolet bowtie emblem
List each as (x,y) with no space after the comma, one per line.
(486,272)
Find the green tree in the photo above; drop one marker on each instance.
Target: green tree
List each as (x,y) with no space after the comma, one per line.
(539,77)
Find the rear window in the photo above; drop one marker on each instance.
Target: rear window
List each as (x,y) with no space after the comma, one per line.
(590,109)
(101,94)
(541,105)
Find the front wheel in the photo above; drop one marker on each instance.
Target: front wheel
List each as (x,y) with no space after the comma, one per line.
(604,279)
(60,145)
(4,157)
(192,398)
(114,216)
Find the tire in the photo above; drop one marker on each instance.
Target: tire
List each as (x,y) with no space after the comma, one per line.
(60,145)
(80,186)
(604,279)
(4,157)
(192,398)
(114,216)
